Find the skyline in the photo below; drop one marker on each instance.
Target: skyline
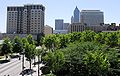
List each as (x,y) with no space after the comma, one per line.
(64,10)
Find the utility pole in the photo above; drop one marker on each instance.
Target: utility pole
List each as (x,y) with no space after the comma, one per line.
(23,62)
(38,65)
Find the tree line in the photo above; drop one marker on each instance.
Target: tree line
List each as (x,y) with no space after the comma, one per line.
(79,53)
(22,46)
(83,54)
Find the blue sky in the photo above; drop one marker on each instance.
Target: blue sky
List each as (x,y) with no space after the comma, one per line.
(63,9)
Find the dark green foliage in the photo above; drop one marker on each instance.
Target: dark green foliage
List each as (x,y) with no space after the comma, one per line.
(55,60)
(111,39)
(17,45)
(82,56)
(97,63)
(87,36)
(75,54)
(63,40)
(75,36)
(30,39)
(39,39)
(100,38)
(6,47)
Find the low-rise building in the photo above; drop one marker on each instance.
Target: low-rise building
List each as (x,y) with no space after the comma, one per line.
(65,26)
(79,27)
(11,36)
(97,28)
(76,27)
(48,30)
(60,31)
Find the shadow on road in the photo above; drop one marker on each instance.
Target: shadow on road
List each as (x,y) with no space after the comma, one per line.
(14,56)
(4,61)
(36,63)
(27,72)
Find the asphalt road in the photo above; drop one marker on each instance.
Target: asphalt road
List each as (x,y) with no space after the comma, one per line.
(14,68)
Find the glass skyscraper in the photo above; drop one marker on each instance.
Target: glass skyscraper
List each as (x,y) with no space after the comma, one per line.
(76,15)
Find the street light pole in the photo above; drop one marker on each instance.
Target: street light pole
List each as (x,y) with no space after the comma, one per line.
(38,55)
(23,63)
(38,65)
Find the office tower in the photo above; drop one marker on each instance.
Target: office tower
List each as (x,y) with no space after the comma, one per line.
(65,26)
(72,19)
(92,17)
(27,19)
(14,19)
(59,24)
(76,15)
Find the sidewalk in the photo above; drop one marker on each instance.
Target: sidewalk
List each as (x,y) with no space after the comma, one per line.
(36,69)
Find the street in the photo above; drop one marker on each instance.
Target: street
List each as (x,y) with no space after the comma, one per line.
(14,68)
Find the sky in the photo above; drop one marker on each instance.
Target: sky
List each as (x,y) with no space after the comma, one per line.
(63,9)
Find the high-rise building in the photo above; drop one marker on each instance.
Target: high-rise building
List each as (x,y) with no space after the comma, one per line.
(65,26)
(72,19)
(59,24)
(27,19)
(92,17)
(76,15)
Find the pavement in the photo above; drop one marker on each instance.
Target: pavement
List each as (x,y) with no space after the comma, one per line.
(14,68)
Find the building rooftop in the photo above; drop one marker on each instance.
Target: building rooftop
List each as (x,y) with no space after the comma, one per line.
(90,11)
(27,5)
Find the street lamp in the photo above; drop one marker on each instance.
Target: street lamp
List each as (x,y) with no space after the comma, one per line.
(23,61)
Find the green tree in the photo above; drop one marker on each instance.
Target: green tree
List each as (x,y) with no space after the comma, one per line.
(100,37)
(77,55)
(85,53)
(29,52)
(17,45)
(75,36)
(97,63)
(62,41)
(30,39)
(38,52)
(87,36)
(24,42)
(55,60)
(111,39)
(6,47)
(39,39)
(50,41)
